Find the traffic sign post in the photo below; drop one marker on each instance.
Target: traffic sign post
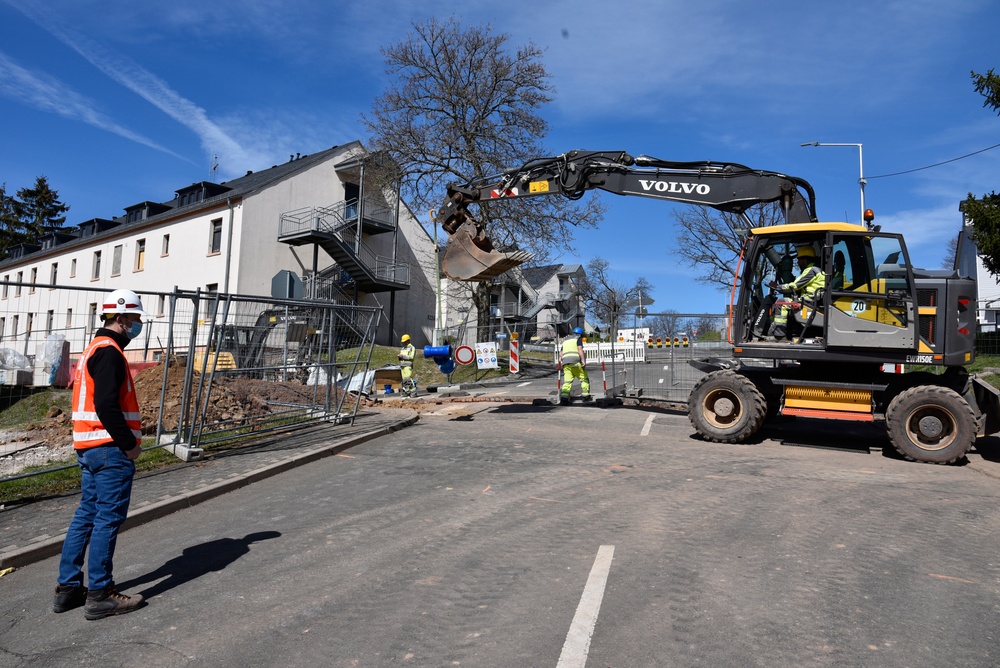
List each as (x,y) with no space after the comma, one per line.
(465,355)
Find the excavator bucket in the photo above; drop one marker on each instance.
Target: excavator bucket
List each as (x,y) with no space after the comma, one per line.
(469,256)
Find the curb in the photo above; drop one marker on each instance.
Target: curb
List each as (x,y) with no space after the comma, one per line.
(29,554)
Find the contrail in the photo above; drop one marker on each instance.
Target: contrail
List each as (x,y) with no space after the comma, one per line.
(144,83)
(47,93)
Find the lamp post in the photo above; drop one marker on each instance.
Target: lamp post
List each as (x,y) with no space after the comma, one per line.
(861,169)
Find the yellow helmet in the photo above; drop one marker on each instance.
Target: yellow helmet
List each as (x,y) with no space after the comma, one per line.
(405,339)
(805,251)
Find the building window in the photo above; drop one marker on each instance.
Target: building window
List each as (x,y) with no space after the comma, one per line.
(212,288)
(116,261)
(160,305)
(30,325)
(215,239)
(165,247)
(6,280)
(54,275)
(17,288)
(49,318)
(69,318)
(3,327)
(34,279)
(14,322)
(72,268)
(96,273)
(140,254)
(91,320)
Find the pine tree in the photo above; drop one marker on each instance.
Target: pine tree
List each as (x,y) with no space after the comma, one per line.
(40,210)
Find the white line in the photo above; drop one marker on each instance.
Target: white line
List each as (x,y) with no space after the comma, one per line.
(581,630)
(527,382)
(645,427)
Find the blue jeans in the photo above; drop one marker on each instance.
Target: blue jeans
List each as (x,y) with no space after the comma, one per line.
(106,489)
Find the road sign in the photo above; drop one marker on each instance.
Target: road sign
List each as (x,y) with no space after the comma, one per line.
(465,355)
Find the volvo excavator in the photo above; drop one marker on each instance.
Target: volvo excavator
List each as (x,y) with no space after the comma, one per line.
(875,310)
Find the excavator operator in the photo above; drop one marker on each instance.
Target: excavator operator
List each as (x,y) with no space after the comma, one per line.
(810,280)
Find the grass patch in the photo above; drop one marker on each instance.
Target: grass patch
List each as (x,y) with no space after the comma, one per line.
(428,373)
(26,405)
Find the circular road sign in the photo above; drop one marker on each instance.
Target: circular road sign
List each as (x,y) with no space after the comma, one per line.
(465,355)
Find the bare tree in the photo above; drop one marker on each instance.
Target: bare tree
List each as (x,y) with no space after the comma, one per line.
(664,325)
(950,253)
(464,105)
(605,297)
(710,241)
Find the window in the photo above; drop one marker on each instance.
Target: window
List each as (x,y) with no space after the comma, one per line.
(160,305)
(30,325)
(49,318)
(6,280)
(116,261)
(72,268)
(69,318)
(140,254)
(165,246)
(3,326)
(17,288)
(34,279)
(54,274)
(13,333)
(91,320)
(215,240)
(96,273)
(212,288)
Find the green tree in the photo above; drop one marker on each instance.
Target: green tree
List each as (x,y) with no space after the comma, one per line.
(40,209)
(11,231)
(985,212)
(462,105)
(985,216)
(988,85)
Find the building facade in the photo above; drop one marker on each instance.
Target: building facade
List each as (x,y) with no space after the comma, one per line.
(321,225)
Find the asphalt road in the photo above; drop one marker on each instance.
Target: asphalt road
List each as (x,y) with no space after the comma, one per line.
(514,535)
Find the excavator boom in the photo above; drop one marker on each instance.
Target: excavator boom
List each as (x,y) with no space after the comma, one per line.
(729,187)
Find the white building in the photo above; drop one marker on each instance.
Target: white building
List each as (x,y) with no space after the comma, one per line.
(319,217)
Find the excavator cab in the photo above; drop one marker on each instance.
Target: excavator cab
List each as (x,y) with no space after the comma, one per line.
(868,301)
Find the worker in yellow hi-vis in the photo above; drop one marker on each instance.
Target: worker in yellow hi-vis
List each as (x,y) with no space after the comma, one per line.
(406,356)
(574,364)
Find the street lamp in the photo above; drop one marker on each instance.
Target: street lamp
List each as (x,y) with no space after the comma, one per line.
(861,169)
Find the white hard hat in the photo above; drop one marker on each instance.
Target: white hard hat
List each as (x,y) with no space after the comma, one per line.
(123,301)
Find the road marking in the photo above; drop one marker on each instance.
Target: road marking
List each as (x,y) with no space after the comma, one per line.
(527,382)
(645,427)
(581,630)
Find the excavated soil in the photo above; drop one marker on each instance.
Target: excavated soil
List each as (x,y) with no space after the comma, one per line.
(231,399)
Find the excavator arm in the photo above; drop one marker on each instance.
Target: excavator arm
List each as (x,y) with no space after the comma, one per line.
(728,187)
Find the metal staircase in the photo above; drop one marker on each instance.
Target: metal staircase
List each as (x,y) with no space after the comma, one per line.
(335,230)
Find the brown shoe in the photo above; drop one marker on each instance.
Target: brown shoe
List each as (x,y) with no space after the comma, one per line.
(107,602)
(68,598)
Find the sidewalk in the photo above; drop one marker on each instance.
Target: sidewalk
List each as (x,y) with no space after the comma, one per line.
(34,531)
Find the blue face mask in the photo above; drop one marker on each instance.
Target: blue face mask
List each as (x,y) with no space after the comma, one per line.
(135,330)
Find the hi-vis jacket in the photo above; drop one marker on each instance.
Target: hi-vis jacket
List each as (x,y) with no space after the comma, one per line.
(807,283)
(88,432)
(406,355)
(571,352)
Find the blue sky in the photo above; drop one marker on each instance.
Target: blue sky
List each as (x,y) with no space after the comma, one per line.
(118,102)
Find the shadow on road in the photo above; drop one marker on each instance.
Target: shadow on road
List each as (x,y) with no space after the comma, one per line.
(196,561)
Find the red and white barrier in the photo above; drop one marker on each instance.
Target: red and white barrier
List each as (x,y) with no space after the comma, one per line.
(515,359)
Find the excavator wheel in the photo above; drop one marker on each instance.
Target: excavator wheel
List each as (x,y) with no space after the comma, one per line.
(726,407)
(930,423)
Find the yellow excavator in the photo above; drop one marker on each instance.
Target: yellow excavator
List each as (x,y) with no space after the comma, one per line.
(875,310)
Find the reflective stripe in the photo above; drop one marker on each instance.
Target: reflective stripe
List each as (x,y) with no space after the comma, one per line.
(90,416)
(85,436)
